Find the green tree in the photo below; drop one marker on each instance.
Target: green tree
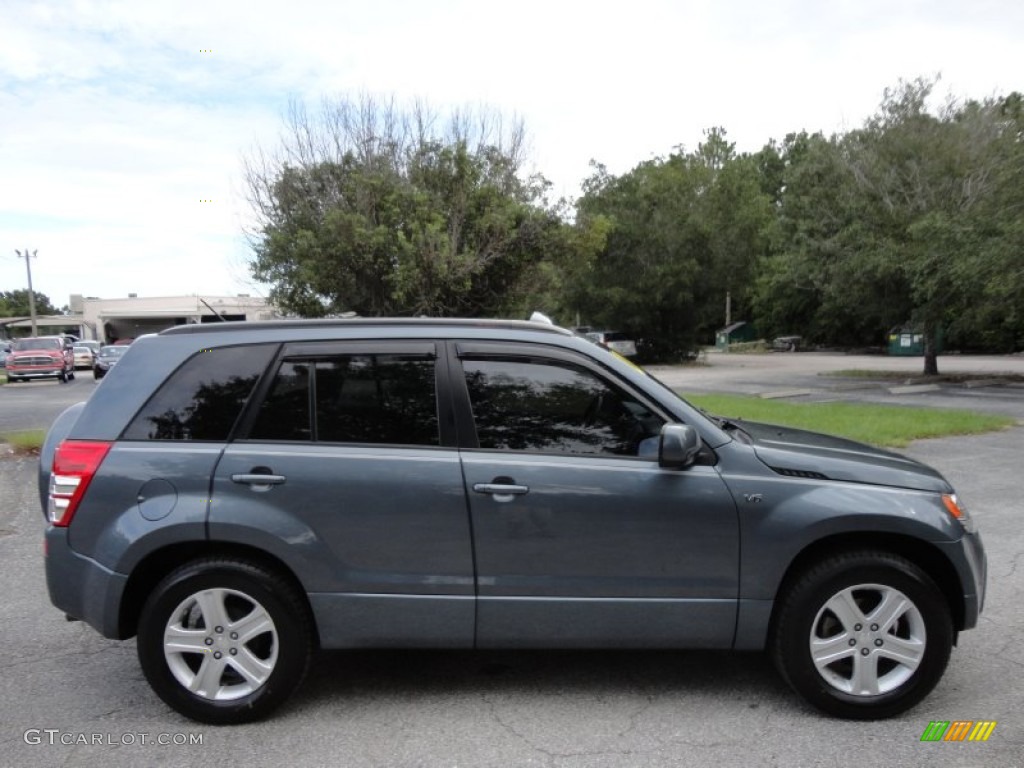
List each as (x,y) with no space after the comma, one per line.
(996,320)
(936,189)
(15,303)
(388,212)
(679,233)
(914,217)
(826,278)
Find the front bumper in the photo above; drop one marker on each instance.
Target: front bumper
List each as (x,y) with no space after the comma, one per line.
(35,372)
(81,587)
(968,556)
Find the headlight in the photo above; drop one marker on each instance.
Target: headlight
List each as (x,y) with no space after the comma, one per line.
(959,511)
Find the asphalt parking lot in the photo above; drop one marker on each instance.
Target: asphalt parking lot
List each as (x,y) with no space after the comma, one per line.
(35,404)
(66,683)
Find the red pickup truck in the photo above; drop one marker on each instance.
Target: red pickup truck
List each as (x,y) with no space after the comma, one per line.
(41,357)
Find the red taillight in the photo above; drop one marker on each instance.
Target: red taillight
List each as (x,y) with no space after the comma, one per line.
(74,464)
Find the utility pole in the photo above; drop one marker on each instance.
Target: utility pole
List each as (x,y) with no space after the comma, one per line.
(31,294)
(728,308)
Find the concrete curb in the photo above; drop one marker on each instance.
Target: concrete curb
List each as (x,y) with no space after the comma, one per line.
(914,389)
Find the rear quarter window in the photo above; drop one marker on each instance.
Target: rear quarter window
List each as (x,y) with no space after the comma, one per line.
(383,399)
(203,398)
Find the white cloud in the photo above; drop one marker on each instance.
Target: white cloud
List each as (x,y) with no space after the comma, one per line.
(115,124)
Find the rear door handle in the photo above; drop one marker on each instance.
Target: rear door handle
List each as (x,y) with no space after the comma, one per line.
(501,491)
(258,482)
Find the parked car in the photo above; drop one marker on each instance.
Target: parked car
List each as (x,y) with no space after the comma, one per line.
(786,343)
(236,495)
(613,340)
(106,359)
(40,357)
(83,356)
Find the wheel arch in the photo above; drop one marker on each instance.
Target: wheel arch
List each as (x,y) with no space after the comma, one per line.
(921,553)
(157,564)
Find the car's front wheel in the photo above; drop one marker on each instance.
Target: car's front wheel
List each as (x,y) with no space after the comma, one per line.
(224,641)
(863,635)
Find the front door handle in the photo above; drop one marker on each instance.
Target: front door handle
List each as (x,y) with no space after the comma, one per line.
(501,491)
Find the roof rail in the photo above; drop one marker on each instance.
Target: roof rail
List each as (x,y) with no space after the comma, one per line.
(365,322)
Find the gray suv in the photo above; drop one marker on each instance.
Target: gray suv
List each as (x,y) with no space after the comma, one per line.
(239,496)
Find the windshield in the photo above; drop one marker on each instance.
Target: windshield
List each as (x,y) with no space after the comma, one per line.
(22,345)
(725,423)
(113,351)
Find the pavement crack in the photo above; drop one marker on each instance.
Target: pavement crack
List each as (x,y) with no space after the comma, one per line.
(1008,659)
(24,662)
(1013,565)
(553,755)
(492,710)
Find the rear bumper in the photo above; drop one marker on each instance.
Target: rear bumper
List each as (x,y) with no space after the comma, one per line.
(81,587)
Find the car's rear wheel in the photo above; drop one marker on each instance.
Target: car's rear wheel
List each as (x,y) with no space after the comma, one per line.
(863,635)
(224,641)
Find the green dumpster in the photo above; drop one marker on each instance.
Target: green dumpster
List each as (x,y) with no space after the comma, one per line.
(734,334)
(908,341)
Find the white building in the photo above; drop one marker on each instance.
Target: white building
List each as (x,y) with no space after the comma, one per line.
(111,319)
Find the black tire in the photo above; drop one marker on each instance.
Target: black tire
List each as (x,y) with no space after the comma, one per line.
(280,653)
(885,667)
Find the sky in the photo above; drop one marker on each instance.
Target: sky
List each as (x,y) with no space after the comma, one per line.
(124,125)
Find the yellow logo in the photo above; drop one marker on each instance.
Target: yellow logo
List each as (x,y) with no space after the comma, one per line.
(958,730)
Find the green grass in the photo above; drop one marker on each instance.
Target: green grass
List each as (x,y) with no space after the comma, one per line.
(884,425)
(24,441)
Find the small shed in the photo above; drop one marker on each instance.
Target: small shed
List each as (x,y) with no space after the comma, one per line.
(733,334)
(908,341)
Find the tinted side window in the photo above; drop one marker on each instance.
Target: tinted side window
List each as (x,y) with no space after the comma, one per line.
(284,414)
(379,399)
(556,408)
(203,398)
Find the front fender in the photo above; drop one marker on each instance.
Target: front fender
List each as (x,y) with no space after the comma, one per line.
(794,514)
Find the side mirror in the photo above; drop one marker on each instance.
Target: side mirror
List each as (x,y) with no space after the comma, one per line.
(678,446)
